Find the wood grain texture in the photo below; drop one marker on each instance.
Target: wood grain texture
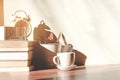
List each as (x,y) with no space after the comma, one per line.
(94,72)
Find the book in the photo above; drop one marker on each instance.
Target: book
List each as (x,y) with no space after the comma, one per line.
(16,69)
(16,43)
(15,63)
(16,49)
(13,55)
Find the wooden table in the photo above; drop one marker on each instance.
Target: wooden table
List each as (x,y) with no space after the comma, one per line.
(99,72)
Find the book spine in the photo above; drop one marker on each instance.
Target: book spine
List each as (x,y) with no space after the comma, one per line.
(15,63)
(23,55)
(16,49)
(16,44)
(16,69)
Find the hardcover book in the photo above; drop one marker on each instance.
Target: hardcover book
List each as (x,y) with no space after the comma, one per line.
(15,63)
(16,49)
(21,55)
(16,43)
(16,69)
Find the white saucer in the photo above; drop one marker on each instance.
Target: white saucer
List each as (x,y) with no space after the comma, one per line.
(66,68)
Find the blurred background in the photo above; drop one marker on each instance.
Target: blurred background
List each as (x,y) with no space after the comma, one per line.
(92,26)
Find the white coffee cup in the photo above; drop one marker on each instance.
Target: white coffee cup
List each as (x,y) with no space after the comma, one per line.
(64,59)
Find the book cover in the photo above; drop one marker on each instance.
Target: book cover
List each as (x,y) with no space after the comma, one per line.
(15,63)
(13,55)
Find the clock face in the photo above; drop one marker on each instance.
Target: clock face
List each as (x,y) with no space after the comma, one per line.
(24,24)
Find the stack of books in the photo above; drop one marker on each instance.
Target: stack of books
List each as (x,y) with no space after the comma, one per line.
(16,55)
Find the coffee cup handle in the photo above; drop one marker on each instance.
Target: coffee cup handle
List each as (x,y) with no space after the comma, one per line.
(55,58)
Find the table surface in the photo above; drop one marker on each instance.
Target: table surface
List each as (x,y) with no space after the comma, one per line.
(96,72)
